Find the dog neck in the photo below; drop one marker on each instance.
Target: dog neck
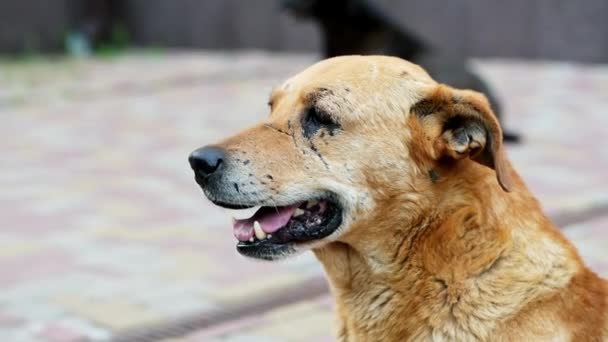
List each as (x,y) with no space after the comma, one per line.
(459,236)
(439,218)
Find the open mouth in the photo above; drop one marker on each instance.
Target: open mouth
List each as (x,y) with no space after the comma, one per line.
(267,231)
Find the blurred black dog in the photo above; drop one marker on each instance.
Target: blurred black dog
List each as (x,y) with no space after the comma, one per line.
(356,27)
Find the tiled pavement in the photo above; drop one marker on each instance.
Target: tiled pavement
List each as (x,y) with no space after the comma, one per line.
(105,234)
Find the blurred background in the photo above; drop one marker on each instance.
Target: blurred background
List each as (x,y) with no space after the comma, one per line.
(105,235)
(539,29)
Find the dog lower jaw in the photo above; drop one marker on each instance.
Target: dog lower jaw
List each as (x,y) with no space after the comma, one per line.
(263,250)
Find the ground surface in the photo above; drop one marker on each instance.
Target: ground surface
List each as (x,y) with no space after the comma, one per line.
(105,235)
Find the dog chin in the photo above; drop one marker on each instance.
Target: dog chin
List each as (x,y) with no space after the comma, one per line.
(269,252)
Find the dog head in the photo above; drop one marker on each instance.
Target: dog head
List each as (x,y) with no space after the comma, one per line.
(349,142)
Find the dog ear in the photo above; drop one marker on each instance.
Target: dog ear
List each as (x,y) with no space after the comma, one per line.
(465,127)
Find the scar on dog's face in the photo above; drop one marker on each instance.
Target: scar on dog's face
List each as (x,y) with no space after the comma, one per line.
(348,141)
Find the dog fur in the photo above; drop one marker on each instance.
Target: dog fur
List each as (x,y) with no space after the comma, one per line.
(440,240)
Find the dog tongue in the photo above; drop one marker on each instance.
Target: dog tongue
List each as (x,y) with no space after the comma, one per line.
(271,219)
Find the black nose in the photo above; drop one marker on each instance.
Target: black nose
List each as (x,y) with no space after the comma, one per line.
(206,160)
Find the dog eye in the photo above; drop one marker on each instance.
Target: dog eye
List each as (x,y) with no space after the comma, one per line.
(320,118)
(315,119)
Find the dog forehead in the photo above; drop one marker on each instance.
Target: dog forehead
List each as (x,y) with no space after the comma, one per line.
(359,74)
(352,83)
(357,70)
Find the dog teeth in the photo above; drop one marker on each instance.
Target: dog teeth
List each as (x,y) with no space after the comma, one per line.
(259,233)
(251,239)
(298,212)
(311,204)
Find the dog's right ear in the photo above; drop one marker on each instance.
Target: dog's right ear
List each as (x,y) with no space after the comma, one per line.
(462,125)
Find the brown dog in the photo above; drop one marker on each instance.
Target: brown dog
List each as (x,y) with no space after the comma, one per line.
(401,188)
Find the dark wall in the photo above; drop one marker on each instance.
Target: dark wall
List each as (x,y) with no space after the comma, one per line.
(220,24)
(33,25)
(550,29)
(553,29)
